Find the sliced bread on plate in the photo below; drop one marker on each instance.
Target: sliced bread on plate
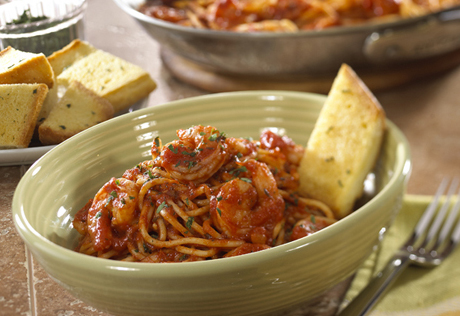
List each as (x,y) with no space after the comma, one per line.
(78,109)
(19,108)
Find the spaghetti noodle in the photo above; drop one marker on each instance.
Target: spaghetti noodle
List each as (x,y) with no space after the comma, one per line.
(202,196)
(285,15)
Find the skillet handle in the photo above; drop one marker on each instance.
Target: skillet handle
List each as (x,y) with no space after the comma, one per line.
(433,36)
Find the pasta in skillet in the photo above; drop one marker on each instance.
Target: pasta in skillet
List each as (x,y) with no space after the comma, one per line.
(202,196)
(285,15)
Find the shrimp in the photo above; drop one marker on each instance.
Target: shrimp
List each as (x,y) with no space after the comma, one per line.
(282,156)
(196,155)
(272,141)
(250,209)
(310,225)
(112,212)
(241,148)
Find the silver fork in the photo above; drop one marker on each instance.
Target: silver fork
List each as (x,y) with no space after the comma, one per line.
(428,246)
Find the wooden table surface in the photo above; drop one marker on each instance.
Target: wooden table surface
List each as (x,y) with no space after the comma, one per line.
(427,111)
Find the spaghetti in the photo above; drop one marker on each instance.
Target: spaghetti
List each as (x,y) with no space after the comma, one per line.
(202,196)
(286,15)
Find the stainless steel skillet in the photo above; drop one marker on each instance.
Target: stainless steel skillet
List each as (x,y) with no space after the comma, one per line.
(307,52)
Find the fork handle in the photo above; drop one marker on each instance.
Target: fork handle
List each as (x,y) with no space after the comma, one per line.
(369,296)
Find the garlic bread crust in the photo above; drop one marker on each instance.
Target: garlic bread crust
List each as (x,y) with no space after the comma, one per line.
(73,52)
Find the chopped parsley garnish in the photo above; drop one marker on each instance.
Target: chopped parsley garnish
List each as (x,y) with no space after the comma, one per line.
(161,206)
(174,150)
(237,171)
(192,154)
(157,141)
(189,222)
(219,211)
(296,201)
(98,214)
(113,195)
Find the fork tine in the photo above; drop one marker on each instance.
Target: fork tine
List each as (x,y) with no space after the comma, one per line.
(427,216)
(452,216)
(455,237)
(456,234)
(442,211)
(440,218)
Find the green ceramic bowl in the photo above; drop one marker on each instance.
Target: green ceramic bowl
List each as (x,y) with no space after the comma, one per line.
(270,282)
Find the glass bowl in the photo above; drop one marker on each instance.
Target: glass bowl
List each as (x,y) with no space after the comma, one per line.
(41,26)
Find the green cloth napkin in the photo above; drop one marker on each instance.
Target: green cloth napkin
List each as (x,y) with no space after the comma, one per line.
(418,291)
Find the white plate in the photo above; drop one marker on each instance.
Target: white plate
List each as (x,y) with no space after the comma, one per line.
(27,156)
